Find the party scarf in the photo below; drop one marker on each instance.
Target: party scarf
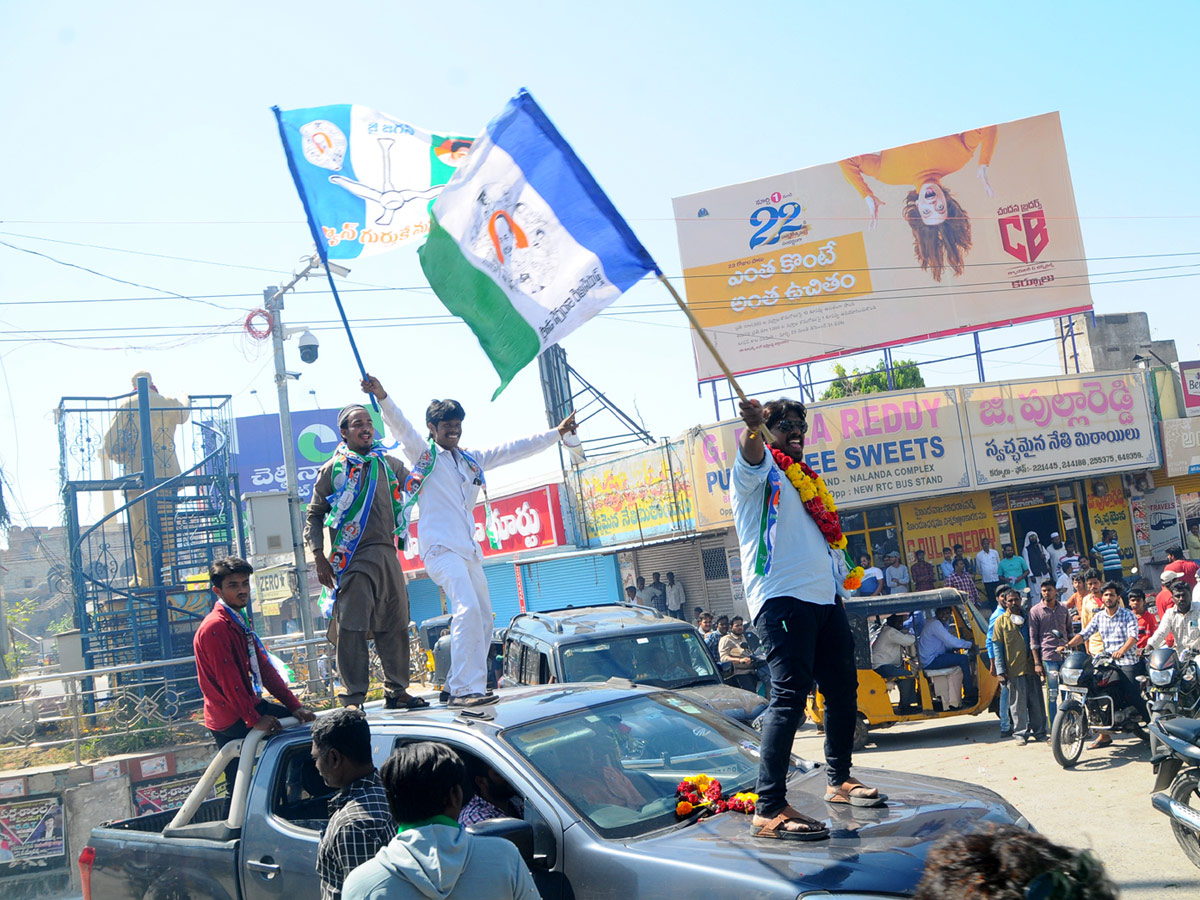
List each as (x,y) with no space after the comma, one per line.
(354,479)
(416,478)
(253,644)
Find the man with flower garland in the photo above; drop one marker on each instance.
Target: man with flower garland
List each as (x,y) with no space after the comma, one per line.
(358,497)
(446,482)
(793,557)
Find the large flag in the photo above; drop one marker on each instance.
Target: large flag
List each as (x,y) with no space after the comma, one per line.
(366,180)
(525,246)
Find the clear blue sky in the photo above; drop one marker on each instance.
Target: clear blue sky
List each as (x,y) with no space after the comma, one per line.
(147,128)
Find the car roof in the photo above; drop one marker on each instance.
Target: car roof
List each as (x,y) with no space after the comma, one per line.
(578,621)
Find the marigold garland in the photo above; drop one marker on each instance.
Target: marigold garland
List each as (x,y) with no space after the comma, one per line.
(704,793)
(819,502)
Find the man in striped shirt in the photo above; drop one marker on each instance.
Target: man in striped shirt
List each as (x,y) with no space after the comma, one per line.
(1110,555)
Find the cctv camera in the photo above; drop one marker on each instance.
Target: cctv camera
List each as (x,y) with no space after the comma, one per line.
(308,347)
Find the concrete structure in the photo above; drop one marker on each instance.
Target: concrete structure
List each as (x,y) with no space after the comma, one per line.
(1108,343)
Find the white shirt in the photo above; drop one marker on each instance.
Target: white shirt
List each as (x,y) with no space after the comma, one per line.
(1056,556)
(897,579)
(888,649)
(448,493)
(1065,584)
(675,596)
(801,565)
(1186,629)
(987,564)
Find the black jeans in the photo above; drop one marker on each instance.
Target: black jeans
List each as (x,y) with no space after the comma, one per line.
(805,642)
(239,730)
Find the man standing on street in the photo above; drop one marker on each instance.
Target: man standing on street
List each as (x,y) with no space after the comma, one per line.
(1013,569)
(922,573)
(233,668)
(432,858)
(1044,618)
(896,575)
(1110,555)
(946,567)
(446,482)
(1193,541)
(987,564)
(1185,567)
(357,496)
(793,595)
(658,593)
(961,581)
(359,819)
(675,596)
(1014,667)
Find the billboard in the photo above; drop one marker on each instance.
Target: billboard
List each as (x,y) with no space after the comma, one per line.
(526,522)
(1189,376)
(260,449)
(635,497)
(31,830)
(946,236)
(1181,446)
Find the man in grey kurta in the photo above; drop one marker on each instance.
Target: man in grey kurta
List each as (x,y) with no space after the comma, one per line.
(372,600)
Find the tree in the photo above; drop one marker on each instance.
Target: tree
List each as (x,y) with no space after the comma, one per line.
(905,376)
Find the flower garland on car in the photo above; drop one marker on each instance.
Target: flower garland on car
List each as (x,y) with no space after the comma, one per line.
(819,502)
(704,793)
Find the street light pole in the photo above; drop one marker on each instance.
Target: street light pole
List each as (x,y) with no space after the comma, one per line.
(274,304)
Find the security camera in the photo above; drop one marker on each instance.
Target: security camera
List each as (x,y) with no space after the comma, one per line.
(308,347)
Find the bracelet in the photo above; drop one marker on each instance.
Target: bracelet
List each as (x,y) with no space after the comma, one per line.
(753,434)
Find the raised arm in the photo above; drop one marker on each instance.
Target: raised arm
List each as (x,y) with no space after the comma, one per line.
(511,451)
(413,442)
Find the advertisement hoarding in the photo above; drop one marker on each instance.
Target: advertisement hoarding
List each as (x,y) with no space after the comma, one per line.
(946,236)
(1181,446)
(636,497)
(31,829)
(1156,523)
(1189,375)
(930,525)
(524,522)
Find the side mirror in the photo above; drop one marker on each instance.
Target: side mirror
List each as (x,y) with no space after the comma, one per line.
(725,668)
(1054,632)
(515,831)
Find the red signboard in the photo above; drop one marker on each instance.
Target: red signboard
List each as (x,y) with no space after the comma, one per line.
(524,522)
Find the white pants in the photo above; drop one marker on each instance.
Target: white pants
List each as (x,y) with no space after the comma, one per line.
(471,628)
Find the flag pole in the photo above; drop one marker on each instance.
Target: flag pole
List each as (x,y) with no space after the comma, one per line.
(709,346)
(319,241)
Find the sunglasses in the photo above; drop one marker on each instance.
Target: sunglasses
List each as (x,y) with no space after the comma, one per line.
(787,425)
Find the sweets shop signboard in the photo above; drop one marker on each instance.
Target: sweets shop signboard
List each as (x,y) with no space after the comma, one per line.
(1023,432)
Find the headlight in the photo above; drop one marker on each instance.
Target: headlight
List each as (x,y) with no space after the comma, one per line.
(1161,677)
(1070,676)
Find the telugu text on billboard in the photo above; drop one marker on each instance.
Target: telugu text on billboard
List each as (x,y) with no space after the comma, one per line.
(635,497)
(1181,446)
(950,235)
(931,525)
(31,829)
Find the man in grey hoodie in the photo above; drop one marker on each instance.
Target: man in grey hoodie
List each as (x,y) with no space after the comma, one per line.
(431,856)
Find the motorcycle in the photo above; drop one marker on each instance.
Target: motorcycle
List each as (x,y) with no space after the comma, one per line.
(1089,688)
(1173,689)
(1177,781)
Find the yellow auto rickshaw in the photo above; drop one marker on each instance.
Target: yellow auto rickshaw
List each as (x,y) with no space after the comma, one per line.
(934,690)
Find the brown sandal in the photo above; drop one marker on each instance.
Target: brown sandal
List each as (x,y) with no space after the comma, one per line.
(774,828)
(857,795)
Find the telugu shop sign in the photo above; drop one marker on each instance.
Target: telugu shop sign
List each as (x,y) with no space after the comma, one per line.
(884,448)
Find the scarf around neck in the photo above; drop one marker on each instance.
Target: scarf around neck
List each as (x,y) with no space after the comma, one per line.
(416,479)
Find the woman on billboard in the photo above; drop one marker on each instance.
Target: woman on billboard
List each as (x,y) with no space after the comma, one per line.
(941,228)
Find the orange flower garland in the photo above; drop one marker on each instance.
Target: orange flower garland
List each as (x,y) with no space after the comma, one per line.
(704,793)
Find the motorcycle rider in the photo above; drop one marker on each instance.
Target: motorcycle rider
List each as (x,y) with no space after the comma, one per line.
(1181,622)
(1117,627)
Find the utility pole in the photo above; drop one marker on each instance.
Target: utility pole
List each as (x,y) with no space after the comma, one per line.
(274,304)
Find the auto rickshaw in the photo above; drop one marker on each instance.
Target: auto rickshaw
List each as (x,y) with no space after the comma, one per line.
(878,698)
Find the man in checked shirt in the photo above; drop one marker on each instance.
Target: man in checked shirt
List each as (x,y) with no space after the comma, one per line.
(360,820)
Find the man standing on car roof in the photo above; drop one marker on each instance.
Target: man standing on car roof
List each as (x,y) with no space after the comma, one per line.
(793,579)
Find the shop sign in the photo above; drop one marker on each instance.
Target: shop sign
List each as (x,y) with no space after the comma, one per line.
(1155,523)
(965,519)
(274,585)
(1189,375)
(31,829)
(871,449)
(1042,430)
(636,497)
(152,798)
(1181,446)
(531,520)
(1106,508)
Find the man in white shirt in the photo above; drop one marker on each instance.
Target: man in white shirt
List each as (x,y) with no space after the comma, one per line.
(896,575)
(675,596)
(1065,583)
(1056,552)
(1182,620)
(987,564)
(448,481)
(887,658)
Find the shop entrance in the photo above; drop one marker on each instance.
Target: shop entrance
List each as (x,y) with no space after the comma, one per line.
(1042,519)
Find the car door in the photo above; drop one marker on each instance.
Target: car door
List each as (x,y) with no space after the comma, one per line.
(285,814)
(546,817)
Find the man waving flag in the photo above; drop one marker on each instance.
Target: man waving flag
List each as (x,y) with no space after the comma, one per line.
(524,245)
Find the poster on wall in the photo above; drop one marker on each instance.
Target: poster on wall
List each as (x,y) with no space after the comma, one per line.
(959,233)
(635,497)
(152,798)
(866,448)
(1036,430)
(1156,526)
(31,830)
(965,519)
(1108,508)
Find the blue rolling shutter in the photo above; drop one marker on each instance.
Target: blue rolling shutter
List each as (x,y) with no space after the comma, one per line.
(575,581)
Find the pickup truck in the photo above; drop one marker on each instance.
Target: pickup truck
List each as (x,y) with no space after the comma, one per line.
(580,843)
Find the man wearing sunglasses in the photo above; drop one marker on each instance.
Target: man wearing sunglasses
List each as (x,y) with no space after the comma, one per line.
(789,571)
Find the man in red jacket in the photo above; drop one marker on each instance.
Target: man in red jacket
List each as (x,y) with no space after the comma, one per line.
(232,666)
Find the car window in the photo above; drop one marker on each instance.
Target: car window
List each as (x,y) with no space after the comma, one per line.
(618,765)
(663,659)
(299,794)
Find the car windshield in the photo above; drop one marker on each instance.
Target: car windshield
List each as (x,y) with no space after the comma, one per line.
(618,764)
(667,659)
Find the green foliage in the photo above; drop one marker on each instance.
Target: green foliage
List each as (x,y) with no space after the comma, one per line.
(905,376)
(18,615)
(65,623)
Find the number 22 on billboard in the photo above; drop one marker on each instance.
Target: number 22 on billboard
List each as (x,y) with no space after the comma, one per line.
(1030,225)
(765,217)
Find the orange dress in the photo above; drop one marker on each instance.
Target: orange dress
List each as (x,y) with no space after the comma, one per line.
(915,164)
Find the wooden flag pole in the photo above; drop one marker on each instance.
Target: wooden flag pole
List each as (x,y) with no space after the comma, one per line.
(713,350)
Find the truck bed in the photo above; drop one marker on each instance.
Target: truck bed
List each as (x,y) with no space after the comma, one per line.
(214,810)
